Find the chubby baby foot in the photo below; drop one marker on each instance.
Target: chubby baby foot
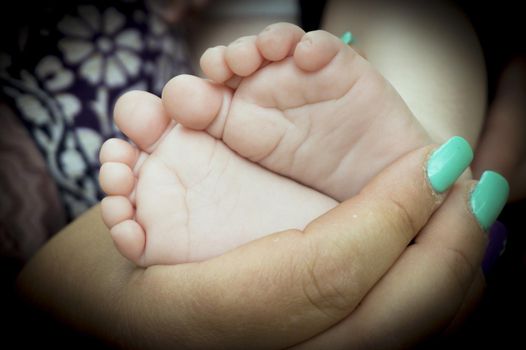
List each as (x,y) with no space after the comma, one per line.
(305,106)
(178,195)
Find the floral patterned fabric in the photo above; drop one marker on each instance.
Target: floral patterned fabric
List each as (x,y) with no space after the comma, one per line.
(68,73)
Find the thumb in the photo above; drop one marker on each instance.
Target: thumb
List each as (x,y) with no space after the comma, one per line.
(289,286)
(364,236)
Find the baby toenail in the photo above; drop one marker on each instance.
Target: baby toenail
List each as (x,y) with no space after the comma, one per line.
(306,40)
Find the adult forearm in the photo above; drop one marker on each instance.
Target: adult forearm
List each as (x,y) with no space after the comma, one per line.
(428,51)
(77,277)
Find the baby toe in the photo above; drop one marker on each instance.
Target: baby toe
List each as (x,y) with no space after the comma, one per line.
(116,179)
(130,240)
(279,40)
(214,66)
(140,116)
(194,102)
(242,56)
(120,151)
(316,49)
(116,209)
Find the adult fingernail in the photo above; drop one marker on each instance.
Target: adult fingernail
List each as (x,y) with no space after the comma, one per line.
(497,238)
(489,197)
(448,162)
(347,38)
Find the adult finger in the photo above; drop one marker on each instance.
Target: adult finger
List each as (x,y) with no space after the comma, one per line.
(472,300)
(502,145)
(433,281)
(271,293)
(289,286)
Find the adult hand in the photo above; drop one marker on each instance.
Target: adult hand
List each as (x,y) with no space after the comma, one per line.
(502,145)
(287,287)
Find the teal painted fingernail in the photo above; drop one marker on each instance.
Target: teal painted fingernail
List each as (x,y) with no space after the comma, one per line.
(347,38)
(489,197)
(448,162)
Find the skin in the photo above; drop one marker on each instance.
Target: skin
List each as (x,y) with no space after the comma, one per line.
(301,106)
(90,303)
(176,195)
(317,285)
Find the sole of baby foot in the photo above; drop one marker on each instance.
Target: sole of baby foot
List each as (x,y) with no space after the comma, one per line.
(176,195)
(307,107)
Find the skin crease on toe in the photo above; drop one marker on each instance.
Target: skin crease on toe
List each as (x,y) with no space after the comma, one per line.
(130,240)
(312,54)
(116,178)
(117,150)
(214,66)
(243,57)
(276,47)
(116,209)
(129,114)
(203,103)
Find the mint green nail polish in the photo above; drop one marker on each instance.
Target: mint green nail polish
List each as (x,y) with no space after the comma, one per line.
(489,197)
(347,38)
(448,162)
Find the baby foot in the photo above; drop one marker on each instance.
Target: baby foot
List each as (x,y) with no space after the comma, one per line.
(305,106)
(179,195)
